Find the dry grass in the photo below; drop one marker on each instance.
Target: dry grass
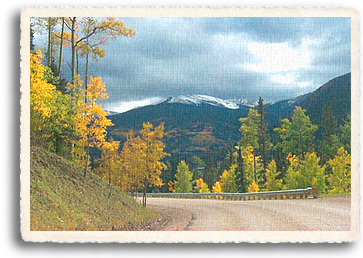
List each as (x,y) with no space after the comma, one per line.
(62,199)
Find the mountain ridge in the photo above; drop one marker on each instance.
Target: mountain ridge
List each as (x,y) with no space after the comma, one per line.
(201,128)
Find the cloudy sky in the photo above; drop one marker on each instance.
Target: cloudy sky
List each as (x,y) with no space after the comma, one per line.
(276,58)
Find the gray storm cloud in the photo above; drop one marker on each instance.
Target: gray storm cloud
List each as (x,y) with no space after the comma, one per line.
(276,58)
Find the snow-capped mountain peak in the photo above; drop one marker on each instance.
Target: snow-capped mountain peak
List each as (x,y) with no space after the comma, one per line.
(197,99)
(243,102)
(192,99)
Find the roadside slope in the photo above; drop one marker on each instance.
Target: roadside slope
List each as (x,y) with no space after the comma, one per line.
(62,199)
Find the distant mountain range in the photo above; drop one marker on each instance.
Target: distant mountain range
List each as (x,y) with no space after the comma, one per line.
(199,100)
(335,94)
(192,99)
(200,124)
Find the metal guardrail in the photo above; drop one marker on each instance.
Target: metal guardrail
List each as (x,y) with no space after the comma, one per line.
(272,195)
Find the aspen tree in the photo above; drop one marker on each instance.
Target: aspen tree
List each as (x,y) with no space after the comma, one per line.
(297,134)
(108,160)
(217,187)
(272,182)
(200,186)
(340,179)
(93,122)
(228,180)
(250,130)
(183,178)
(253,187)
(154,153)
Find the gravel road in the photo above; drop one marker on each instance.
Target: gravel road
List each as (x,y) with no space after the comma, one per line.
(263,215)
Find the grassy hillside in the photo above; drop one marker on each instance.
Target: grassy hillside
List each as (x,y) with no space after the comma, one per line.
(62,199)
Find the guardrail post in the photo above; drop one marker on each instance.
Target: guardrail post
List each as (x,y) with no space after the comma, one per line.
(315,192)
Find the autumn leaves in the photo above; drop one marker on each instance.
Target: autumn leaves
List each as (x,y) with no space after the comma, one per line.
(74,122)
(138,165)
(68,118)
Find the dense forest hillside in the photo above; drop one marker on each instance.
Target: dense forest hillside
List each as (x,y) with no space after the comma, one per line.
(189,129)
(334,95)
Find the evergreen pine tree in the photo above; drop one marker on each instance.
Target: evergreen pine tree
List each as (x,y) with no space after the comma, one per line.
(264,144)
(345,134)
(211,172)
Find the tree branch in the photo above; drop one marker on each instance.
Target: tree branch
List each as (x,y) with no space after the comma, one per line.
(87,36)
(68,25)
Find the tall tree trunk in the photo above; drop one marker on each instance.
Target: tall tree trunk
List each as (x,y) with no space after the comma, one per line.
(241,171)
(73,44)
(49,40)
(264,156)
(144,195)
(109,171)
(147,170)
(254,166)
(72,93)
(77,62)
(109,174)
(87,154)
(86,77)
(51,52)
(61,49)
(301,144)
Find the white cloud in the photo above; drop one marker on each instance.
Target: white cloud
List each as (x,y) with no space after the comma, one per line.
(278,57)
(122,107)
(283,78)
(303,84)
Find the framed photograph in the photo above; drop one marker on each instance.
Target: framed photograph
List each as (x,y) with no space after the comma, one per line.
(189,125)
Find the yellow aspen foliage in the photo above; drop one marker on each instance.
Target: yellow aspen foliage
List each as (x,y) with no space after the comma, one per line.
(132,164)
(252,166)
(228,180)
(340,178)
(183,178)
(217,187)
(114,27)
(154,153)
(297,133)
(253,187)
(49,109)
(249,128)
(200,186)
(41,92)
(77,109)
(170,186)
(306,172)
(290,158)
(108,168)
(272,183)
(247,156)
(140,159)
(92,122)
(66,38)
(313,174)
(293,177)
(76,94)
